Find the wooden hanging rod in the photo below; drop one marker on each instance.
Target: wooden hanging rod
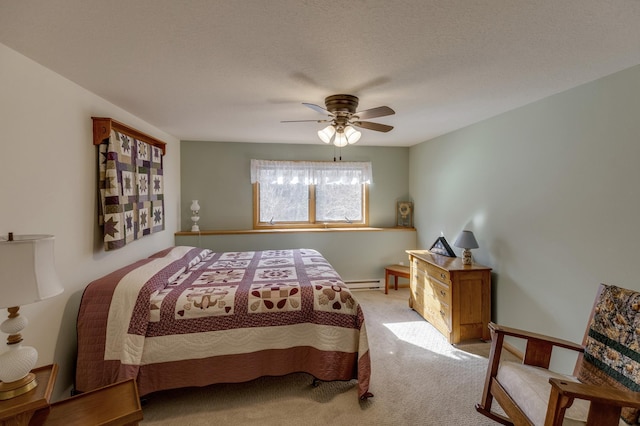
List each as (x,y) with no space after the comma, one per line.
(102,130)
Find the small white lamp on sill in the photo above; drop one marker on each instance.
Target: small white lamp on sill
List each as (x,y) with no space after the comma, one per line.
(466,241)
(195,215)
(27,275)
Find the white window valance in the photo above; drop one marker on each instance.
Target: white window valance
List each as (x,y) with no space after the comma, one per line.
(310,172)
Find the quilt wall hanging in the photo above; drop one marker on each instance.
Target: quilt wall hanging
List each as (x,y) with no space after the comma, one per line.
(131,183)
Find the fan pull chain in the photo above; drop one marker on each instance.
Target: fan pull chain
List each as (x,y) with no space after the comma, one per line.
(334,153)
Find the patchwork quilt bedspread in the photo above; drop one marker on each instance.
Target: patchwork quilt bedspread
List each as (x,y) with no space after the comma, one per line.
(188,316)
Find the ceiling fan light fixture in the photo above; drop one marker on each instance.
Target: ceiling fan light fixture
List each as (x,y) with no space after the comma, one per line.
(327,133)
(340,140)
(342,114)
(352,135)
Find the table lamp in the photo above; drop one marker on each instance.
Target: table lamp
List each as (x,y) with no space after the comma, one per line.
(27,275)
(195,211)
(466,241)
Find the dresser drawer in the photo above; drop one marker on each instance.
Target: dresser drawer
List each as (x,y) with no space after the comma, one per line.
(435,312)
(440,290)
(439,315)
(431,270)
(418,266)
(418,294)
(436,302)
(437,273)
(419,277)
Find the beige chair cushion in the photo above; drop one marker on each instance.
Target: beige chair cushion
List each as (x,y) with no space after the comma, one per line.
(529,387)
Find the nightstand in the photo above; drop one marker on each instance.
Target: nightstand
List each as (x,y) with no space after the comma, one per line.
(21,409)
(114,405)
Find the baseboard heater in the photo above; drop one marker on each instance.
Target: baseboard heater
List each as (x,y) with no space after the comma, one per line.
(366,284)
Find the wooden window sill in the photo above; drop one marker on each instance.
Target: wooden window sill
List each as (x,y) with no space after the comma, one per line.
(292,230)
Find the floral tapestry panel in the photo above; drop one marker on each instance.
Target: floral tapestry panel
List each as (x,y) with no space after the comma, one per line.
(131,190)
(612,347)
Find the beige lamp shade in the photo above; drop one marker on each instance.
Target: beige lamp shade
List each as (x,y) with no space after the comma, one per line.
(27,275)
(27,270)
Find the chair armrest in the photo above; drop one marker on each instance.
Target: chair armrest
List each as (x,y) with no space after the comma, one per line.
(605,405)
(600,394)
(523,334)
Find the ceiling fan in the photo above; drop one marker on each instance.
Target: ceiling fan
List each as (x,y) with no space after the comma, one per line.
(342,117)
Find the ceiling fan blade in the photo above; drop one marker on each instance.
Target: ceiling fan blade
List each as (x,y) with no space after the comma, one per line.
(375,112)
(317,108)
(306,121)
(372,126)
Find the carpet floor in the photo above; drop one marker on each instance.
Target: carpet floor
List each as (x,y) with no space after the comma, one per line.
(417,379)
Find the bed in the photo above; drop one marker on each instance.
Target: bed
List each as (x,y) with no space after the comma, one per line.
(187,316)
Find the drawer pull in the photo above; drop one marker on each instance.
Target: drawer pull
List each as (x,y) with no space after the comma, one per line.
(442,313)
(443,276)
(443,293)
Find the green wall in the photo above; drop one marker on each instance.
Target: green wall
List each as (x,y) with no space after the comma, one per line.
(218,175)
(551,191)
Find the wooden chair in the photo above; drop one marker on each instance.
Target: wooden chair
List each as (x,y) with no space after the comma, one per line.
(605,381)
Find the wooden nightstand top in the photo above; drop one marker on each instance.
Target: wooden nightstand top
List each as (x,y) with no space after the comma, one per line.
(21,408)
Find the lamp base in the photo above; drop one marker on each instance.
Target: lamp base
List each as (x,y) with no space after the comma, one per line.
(17,388)
(466,257)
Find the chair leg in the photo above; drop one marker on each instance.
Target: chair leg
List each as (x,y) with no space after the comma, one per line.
(492,369)
(603,414)
(558,404)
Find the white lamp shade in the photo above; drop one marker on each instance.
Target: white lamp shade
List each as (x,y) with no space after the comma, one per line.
(195,206)
(27,270)
(466,240)
(352,135)
(340,140)
(327,133)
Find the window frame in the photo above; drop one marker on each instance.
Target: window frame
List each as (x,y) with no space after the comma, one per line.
(312,222)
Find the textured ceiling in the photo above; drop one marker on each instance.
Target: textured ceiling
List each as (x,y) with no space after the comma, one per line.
(232,70)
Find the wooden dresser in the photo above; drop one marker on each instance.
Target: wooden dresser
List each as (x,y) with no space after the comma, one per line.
(454,298)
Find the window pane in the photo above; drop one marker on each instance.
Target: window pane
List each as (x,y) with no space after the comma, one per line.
(284,202)
(338,202)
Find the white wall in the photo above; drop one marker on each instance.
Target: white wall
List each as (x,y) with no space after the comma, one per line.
(48,185)
(552,193)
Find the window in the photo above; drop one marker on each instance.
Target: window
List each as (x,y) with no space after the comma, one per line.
(290,194)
